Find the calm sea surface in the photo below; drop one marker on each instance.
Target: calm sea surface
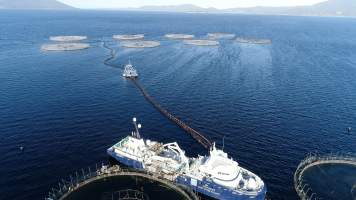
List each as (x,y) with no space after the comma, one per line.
(273,103)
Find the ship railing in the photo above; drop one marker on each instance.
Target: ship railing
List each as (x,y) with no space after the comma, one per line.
(303,189)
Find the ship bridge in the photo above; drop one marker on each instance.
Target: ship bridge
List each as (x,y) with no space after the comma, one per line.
(225,171)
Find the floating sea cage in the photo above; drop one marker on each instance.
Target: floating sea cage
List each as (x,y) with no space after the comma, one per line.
(253,40)
(128,194)
(306,188)
(105,171)
(129,37)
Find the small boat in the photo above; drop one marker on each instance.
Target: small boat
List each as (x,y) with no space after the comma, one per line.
(129,71)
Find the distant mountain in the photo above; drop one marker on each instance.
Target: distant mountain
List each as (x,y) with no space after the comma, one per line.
(332,7)
(176,8)
(33,4)
(327,8)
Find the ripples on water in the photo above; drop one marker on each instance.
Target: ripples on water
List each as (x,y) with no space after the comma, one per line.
(274,103)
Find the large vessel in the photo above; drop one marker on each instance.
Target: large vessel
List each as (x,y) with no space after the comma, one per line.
(216,175)
(129,71)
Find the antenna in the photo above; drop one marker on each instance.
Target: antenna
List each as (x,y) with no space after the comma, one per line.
(137,126)
(223,140)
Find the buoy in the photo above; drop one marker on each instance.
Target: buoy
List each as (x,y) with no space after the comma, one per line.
(21,148)
(349,129)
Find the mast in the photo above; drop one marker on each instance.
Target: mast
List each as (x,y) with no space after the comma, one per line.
(137,127)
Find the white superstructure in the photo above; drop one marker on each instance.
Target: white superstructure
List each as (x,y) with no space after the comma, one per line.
(224,171)
(129,71)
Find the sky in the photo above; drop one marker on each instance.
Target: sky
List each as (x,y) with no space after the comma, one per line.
(221,4)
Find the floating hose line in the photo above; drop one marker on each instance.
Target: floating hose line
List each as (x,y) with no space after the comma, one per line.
(201,139)
(195,134)
(111,57)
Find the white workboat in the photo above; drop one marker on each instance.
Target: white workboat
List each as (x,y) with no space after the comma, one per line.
(129,71)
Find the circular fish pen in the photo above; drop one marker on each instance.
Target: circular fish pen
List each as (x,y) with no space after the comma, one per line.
(331,177)
(129,37)
(114,183)
(202,42)
(217,36)
(69,38)
(253,41)
(179,36)
(64,47)
(128,194)
(141,44)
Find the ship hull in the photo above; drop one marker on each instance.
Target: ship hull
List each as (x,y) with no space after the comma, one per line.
(205,187)
(126,161)
(211,189)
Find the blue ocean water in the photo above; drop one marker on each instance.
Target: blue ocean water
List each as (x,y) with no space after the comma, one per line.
(273,103)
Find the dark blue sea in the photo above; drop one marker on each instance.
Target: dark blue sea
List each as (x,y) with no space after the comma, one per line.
(273,103)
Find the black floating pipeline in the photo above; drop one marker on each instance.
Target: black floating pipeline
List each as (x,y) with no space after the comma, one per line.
(111,57)
(195,134)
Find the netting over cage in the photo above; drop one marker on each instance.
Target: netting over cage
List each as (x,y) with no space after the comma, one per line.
(331,176)
(128,194)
